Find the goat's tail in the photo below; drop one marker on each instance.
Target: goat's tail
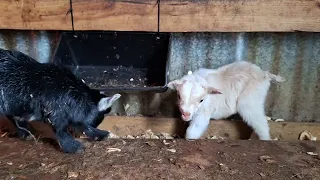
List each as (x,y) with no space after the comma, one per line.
(274,78)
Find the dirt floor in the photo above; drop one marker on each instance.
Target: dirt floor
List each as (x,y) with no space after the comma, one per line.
(159,159)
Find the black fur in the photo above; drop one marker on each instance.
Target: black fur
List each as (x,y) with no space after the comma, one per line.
(46,91)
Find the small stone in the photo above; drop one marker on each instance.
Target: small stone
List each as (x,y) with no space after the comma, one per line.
(131,79)
(42,164)
(10,163)
(268,118)
(201,167)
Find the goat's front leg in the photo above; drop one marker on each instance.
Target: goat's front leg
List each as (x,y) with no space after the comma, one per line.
(95,134)
(67,143)
(198,125)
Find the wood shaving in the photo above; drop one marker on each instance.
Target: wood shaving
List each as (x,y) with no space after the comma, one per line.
(111,135)
(279,120)
(306,135)
(267,159)
(262,175)
(129,137)
(172,150)
(223,167)
(4,134)
(165,142)
(113,150)
(152,144)
(312,153)
(73,174)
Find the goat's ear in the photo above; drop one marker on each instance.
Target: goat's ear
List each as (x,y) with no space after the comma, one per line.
(174,84)
(107,102)
(212,90)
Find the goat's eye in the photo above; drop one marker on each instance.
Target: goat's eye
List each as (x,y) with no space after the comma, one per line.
(201,100)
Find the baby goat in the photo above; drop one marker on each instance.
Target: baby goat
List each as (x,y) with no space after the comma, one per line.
(239,87)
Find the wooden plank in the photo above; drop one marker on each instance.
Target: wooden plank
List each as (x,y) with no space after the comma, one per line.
(131,15)
(35,14)
(175,15)
(122,126)
(239,16)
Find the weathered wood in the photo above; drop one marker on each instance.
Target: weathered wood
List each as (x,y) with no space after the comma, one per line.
(35,14)
(232,129)
(240,15)
(123,125)
(175,15)
(131,15)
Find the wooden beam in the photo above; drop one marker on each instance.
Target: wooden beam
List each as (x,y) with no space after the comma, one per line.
(175,15)
(122,126)
(131,15)
(35,14)
(239,16)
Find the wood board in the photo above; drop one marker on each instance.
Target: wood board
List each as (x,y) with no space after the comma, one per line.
(175,15)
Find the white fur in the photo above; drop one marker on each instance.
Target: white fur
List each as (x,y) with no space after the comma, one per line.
(243,87)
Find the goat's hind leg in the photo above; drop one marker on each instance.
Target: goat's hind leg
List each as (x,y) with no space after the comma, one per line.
(23,129)
(252,112)
(256,119)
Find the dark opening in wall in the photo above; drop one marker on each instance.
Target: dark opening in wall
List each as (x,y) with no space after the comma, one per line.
(116,61)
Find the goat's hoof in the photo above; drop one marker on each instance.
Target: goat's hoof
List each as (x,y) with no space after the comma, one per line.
(97,135)
(72,147)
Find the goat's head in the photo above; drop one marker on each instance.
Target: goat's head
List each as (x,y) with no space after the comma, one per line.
(191,91)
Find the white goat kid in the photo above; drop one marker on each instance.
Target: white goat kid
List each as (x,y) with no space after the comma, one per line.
(239,87)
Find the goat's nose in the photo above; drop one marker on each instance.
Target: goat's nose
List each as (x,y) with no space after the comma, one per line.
(186,114)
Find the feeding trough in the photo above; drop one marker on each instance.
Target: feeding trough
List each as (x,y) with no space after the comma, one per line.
(116,61)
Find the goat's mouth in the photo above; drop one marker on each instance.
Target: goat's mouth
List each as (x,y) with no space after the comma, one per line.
(184,118)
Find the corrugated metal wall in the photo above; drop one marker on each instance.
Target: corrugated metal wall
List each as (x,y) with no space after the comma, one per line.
(296,56)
